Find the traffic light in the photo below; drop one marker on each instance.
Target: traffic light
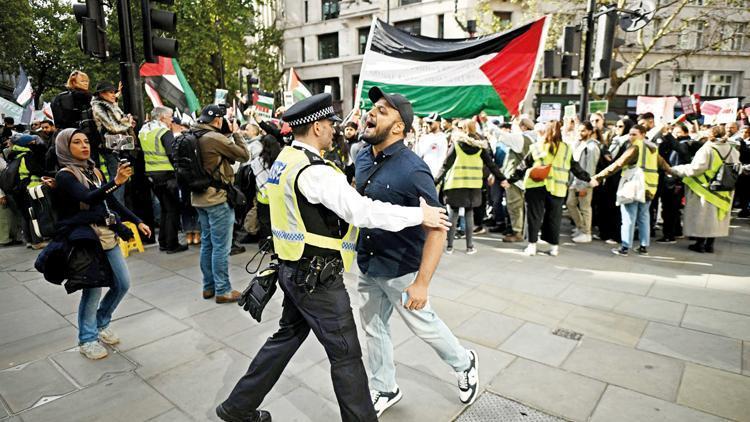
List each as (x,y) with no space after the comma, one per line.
(571,52)
(157,19)
(251,81)
(93,37)
(552,64)
(606,42)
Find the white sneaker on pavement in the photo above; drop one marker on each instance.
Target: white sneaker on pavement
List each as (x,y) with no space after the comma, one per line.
(554,250)
(530,249)
(582,238)
(93,350)
(468,380)
(107,336)
(382,400)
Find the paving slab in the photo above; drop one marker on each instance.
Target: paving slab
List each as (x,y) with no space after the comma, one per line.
(486,297)
(23,386)
(707,298)
(424,398)
(694,346)
(726,324)
(645,372)
(611,280)
(37,347)
(732,283)
(122,398)
(605,325)
(250,340)
(542,284)
(548,312)
(592,297)
(449,288)
(549,389)
(224,321)
(621,405)
(746,358)
(173,415)
(130,305)
(297,406)
(7,280)
(3,412)
(451,312)
(86,372)
(55,296)
(651,309)
(169,352)
(29,322)
(18,298)
(716,392)
(536,342)
(143,328)
(487,328)
(175,295)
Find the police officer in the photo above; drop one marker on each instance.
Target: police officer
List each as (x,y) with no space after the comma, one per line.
(314,215)
(156,142)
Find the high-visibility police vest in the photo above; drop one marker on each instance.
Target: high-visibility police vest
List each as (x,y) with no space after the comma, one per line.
(287,226)
(261,196)
(466,171)
(23,170)
(699,185)
(648,161)
(154,153)
(556,182)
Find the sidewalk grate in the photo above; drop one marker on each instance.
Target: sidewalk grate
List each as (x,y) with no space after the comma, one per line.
(490,407)
(569,334)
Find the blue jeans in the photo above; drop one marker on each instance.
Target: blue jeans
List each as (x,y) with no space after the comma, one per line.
(632,214)
(94,316)
(378,296)
(217,223)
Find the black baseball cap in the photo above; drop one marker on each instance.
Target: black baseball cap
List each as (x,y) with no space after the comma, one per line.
(397,101)
(210,112)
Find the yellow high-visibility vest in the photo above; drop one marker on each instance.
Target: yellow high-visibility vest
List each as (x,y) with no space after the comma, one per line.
(648,161)
(556,182)
(699,185)
(287,227)
(23,171)
(154,153)
(466,171)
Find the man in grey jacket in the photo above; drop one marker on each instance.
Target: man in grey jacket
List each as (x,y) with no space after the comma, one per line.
(587,153)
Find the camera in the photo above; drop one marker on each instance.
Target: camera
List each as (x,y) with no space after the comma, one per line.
(119,142)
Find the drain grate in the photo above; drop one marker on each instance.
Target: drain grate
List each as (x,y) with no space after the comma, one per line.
(493,408)
(569,334)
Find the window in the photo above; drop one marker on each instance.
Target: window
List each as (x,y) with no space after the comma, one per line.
(408,2)
(302,47)
(441,26)
(735,37)
(330,9)
(328,46)
(649,32)
(412,26)
(692,37)
(502,17)
(362,34)
(719,85)
(307,11)
(686,83)
(640,85)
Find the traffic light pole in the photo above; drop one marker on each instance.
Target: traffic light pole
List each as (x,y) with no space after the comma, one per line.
(132,97)
(586,75)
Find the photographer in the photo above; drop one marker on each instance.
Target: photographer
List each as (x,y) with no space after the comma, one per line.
(70,108)
(89,206)
(156,142)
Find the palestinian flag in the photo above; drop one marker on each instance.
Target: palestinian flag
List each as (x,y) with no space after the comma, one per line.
(454,77)
(296,87)
(167,79)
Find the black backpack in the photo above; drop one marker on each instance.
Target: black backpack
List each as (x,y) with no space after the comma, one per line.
(725,178)
(188,165)
(42,211)
(9,181)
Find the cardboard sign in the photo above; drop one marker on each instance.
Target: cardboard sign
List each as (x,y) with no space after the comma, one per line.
(661,107)
(264,106)
(598,106)
(549,112)
(220,96)
(570,111)
(687,105)
(717,112)
(288,99)
(11,109)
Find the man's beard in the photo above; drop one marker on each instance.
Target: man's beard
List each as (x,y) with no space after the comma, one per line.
(377,138)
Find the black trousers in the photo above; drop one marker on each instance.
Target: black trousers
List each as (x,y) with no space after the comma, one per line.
(328,313)
(165,189)
(671,210)
(544,212)
(23,202)
(610,218)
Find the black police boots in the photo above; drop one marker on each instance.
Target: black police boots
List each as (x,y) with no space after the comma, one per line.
(255,416)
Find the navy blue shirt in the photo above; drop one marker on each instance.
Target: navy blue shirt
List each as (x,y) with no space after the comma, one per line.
(401,179)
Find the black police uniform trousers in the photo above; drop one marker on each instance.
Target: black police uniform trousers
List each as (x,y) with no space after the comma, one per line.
(165,189)
(328,313)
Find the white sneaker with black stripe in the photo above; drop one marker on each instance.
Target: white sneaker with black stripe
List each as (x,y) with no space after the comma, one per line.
(382,400)
(468,380)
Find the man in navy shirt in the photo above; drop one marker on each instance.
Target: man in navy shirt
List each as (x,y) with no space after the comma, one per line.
(396,268)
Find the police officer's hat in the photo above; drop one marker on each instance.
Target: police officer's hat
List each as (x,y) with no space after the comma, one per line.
(311,109)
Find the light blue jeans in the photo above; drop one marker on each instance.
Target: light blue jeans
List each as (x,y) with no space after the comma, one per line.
(217,223)
(94,316)
(378,296)
(632,214)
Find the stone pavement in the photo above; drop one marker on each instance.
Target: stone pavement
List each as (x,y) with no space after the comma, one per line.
(665,337)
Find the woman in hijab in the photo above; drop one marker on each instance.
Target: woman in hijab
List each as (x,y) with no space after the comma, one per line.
(89,198)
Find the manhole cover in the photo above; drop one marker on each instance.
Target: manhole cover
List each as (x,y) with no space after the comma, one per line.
(493,408)
(569,334)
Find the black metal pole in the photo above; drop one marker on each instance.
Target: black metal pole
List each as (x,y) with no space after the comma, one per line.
(387,11)
(586,77)
(132,98)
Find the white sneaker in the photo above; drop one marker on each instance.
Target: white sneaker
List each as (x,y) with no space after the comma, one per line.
(93,350)
(575,232)
(107,336)
(554,250)
(449,250)
(383,400)
(582,238)
(530,249)
(471,251)
(468,380)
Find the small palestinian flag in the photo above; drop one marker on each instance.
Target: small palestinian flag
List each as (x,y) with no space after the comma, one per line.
(454,77)
(296,87)
(167,79)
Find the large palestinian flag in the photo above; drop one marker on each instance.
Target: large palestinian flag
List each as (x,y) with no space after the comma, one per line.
(167,79)
(454,77)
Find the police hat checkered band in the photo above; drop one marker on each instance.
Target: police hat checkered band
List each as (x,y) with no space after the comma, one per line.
(318,115)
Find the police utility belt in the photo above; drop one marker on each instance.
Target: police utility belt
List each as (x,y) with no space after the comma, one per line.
(315,271)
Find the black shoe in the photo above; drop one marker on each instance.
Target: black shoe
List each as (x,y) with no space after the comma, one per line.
(249,238)
(643,251)
(709,249)
(163,248)
(479,230)
(179,248)
(459,234)
(744,213)
(698,247)
(255,416)
(668,240)
(498,229)
(236,250)
(622,251)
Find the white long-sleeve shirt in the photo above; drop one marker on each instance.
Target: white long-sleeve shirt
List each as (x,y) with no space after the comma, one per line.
(324,185)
